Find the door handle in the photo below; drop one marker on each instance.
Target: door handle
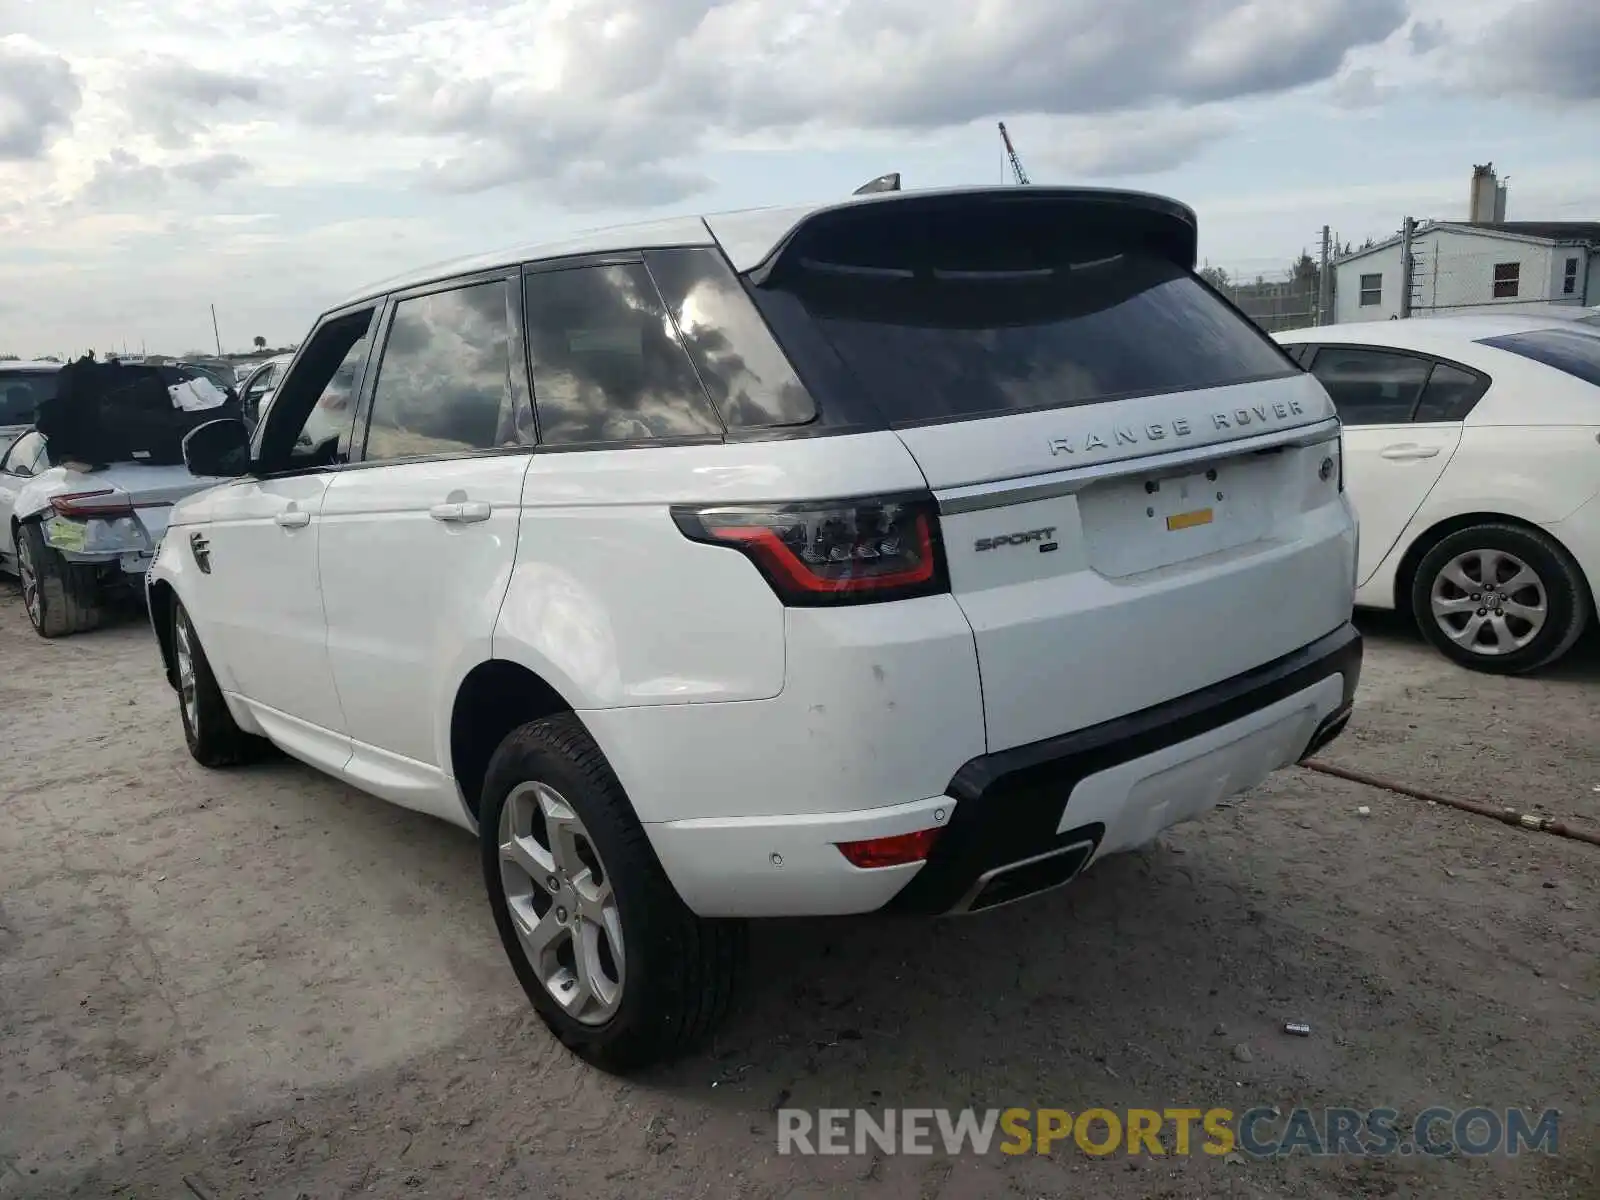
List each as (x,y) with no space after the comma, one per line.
(293,519)
(461,512)
(1408,451)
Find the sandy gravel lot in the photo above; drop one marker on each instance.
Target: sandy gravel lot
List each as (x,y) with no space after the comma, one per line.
(262,984)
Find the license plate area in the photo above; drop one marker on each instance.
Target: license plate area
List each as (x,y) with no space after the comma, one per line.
(1139,523)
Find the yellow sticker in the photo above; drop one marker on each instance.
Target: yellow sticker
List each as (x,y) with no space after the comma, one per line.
(67,535)
(1188,520)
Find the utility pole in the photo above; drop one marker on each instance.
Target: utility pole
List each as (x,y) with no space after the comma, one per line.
(1325,280)
(1408,232)
(214,331)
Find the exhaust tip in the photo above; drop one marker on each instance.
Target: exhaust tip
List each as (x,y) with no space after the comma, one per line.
(1029,877)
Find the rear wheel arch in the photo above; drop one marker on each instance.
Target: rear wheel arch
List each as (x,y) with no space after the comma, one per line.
(1405,575)
(495,698)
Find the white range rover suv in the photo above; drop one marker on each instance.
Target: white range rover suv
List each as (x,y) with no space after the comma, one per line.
(904,554)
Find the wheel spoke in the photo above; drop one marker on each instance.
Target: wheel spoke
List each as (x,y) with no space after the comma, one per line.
(591,969)
(1467,635)
(540,936)
(1489,567)
(1459,604)
(1458,576)
(1504,639)
(563,830)
(1531,613)
(593,898)
(532,859)
(1523,579)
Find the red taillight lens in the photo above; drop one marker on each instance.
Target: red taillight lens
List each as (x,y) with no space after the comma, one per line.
(82,505)
(839,552)
(890,851)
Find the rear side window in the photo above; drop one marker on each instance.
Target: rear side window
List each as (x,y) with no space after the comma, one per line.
(929,342)
(1577,354)
(21,393)
(1371,387)
(444,380)
(746,374)
(607,364)
(1451,394)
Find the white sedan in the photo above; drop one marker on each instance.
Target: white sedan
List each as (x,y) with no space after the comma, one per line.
(1472,455)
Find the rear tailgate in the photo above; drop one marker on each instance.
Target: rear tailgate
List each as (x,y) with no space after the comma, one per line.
(1138,491)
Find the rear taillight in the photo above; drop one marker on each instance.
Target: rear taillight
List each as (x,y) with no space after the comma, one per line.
(837,552)
(83,505)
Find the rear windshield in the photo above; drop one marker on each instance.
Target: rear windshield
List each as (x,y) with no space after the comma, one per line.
(1576,353)
(21,392)
(939,344)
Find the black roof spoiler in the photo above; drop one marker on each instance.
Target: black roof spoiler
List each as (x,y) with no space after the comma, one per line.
(1153,224)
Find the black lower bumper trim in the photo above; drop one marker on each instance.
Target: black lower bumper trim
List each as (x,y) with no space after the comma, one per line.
(1009,804)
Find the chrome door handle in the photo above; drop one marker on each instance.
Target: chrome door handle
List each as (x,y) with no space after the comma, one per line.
(1409,451)
(293,519)
(463,512)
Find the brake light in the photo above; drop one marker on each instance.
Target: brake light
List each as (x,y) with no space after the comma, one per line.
(894,851)
(837,552)
(83,505)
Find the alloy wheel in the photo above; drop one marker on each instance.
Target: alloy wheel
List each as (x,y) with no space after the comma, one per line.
(1489,602)
(186,680)
(561,902)
(30,582)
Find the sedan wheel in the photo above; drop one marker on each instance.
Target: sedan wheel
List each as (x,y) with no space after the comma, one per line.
(1489,602)
(561,903)
(30,581)
(1500,597)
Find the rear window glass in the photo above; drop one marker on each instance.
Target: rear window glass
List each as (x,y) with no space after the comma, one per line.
(21,393)
(939,344)
(1568,350)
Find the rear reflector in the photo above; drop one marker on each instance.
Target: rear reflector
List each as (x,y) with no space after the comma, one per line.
(82,505)
(894,851)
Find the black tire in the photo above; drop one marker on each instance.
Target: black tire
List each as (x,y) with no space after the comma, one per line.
(214,738)
(1565,597)
(61,597)
(681,971)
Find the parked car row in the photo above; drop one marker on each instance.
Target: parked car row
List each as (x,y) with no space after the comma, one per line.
(907,554)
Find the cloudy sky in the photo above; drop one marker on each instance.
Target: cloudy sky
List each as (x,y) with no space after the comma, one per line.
(158,156)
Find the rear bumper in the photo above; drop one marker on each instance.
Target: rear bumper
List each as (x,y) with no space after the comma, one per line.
(1056,805)
(1030,818)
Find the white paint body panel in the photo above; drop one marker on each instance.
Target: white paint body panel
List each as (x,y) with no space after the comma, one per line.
(1529,450)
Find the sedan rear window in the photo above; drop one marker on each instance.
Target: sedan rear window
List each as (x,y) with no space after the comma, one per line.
(1577,354)
(937,343)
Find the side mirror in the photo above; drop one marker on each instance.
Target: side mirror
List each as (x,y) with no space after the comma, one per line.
(218,448)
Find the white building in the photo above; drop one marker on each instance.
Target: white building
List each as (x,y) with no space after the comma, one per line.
(1460,267)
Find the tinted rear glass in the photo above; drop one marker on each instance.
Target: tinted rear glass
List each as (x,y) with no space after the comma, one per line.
(938,344)
(21,393)
(1576,353)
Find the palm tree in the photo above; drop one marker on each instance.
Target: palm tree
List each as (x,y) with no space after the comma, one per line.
(261,343)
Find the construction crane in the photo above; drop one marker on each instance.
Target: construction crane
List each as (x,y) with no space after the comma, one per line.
(1011,153)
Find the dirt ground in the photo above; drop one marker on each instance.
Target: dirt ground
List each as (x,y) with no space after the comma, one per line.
(263,984)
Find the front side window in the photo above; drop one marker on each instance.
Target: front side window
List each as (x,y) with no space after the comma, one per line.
(443,383)
(607,363)
(1507,278)
(1371,290)
(1371,387)
(308,423)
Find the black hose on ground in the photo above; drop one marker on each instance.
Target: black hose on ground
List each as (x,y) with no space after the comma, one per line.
(1506,816)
